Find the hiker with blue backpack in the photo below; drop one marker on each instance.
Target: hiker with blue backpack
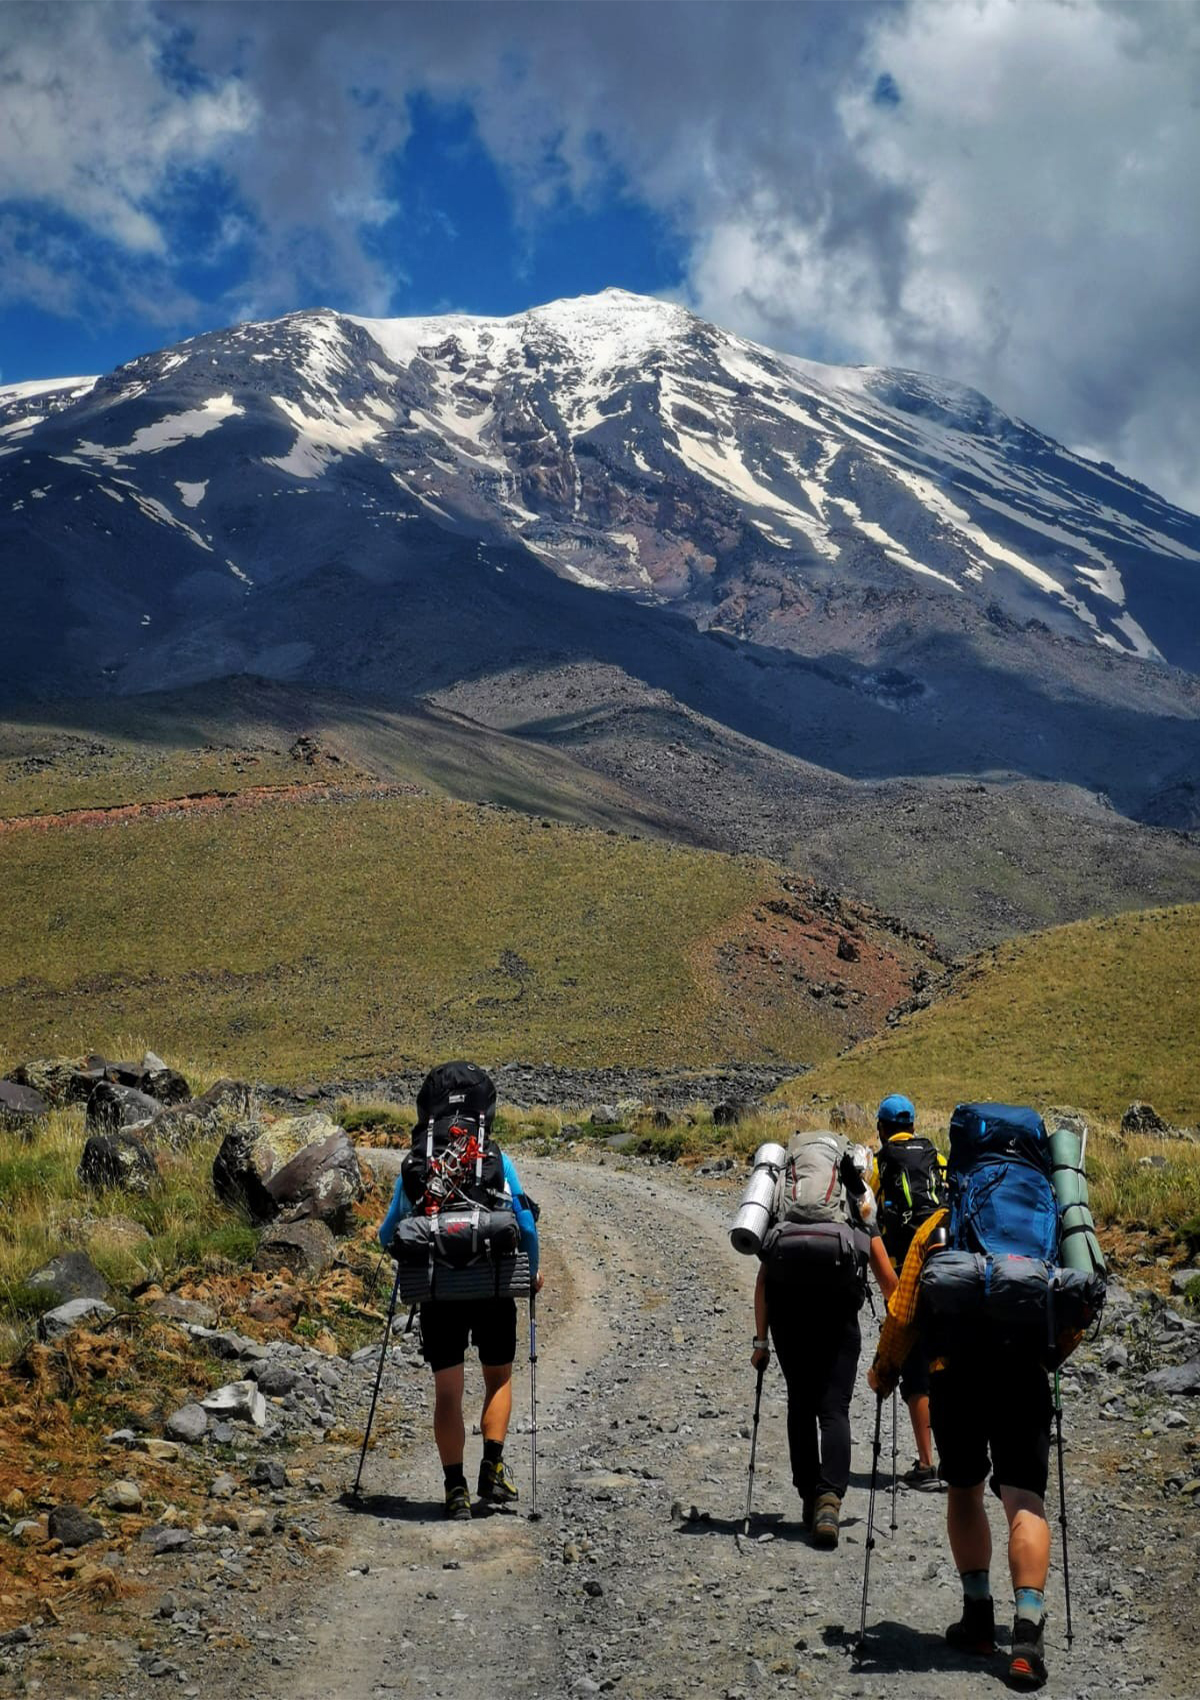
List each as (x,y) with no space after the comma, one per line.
(1000,1287)
(909,1182)
(464,1236)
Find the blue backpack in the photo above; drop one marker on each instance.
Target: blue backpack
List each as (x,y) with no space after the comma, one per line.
(1002,1203)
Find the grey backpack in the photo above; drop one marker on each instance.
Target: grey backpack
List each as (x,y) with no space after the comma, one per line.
(810,1185)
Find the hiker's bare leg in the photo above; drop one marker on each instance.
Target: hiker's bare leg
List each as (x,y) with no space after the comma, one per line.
(497,1401)
(968,1528)
(918,1410)
(1028,1537)
(449,1430)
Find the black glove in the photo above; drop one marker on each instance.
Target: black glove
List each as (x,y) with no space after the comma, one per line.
(851,1176)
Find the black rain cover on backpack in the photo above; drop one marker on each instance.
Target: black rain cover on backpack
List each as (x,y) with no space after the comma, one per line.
(910,1190)
(454,1161)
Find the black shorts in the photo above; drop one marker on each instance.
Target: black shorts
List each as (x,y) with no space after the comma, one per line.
(1001,1411)
(490,1325)
(914,1373)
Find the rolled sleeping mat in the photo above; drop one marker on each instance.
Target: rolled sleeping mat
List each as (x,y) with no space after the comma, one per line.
(754,1214)
(1078,1246)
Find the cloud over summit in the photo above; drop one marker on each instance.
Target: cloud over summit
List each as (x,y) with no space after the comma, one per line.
(996,190)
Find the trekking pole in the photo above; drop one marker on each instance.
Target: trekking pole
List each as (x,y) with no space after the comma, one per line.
(387,1334)
(1062,1503)
(875,1451)
(895,1525)
(762,1370)
(534,1513)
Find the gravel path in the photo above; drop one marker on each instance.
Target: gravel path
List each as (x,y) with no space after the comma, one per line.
(637,1580)
(644,1406)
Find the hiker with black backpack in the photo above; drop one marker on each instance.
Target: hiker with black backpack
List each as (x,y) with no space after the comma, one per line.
(986,1286)
(909,1183)
(819,1242)
(464,1234)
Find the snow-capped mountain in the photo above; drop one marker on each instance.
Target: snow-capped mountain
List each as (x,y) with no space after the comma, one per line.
(351,498)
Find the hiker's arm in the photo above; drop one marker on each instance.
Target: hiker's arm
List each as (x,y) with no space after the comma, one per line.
(899,1331)
(399,1208)
(881,1267)
(526,1226)
(761,1355)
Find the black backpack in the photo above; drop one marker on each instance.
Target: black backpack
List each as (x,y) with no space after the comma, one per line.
(454,1162)
(910,1190)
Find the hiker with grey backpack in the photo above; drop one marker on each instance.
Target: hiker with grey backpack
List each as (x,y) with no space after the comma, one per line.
(464,1236)
(809,1215)
(999,1288)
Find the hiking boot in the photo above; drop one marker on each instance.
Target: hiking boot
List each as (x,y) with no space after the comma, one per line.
(923,1477)
(826,1520)
(1027,1665)
(458,1502)
(496,1486)
(975,1631)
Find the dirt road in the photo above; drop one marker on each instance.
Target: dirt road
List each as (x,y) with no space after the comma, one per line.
(645,1400)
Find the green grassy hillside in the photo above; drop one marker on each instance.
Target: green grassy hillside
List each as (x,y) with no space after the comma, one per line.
(345,937)
(240,733)
(1095,1014)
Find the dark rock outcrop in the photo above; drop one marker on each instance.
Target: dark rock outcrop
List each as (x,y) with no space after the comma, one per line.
(69,1276)
(22,1108)
(121,1159)
(73,1527)
(291,1169)
(113,1106)
(305,1247)
(211,1113)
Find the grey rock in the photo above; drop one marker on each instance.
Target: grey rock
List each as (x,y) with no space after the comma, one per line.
(118,1159)
(174,1309)
(73,1527)
(213,1112)
(294,1168)
(604,1115)
(20,1636)
(1182,1279)
(306,1247)
(70,1276)
(189,1424)
(1179,1379)
(274,1379)
(76,1313)
(22,1109)
(161,1540)
(123,1496)
(223,1486)
(268,1472)
(112,1107)
(237,1401)
(730,1111)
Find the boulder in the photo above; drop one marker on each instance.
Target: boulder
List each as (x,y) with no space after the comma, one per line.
(73,1527)
(121,1159)
(123,1496)
(114,1106)
(731,1111)
(1143,1118)
(604,1115)
(239,1401)
(22,1109)
(303,1247)
(76,1313)
(1062,1115)
(293,1168)
(60,1080)
(114,1233)
(174,1309)
(274,1379)
(1179,1379)
(849,1117)
(188,1424)
(214,1111)
(1182,1281)
(69,1276)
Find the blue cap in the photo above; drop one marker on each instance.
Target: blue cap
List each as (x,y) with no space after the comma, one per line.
(897,1112)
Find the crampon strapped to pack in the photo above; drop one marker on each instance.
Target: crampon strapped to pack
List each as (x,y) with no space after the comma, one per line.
(999,1279)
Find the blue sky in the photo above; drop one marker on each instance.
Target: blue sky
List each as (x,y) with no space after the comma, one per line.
(999,191)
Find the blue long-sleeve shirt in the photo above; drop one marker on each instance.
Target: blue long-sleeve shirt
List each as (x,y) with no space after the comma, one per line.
(401,1206)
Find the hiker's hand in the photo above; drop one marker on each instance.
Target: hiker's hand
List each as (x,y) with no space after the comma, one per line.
(876,1383)
(539,1281)
(760,1357)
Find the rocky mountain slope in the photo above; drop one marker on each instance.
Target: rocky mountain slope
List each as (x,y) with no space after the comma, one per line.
(870,570)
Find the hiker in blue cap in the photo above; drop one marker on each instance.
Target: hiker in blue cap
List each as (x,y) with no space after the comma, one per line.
(909,1183)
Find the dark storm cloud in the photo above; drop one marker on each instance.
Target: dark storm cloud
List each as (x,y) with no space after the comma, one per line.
(999,190)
